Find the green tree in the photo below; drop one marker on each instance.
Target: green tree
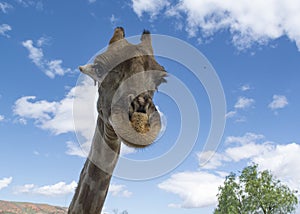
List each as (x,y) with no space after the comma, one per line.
(255,192)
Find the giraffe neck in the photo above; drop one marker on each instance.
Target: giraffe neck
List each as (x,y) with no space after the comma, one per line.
(97,172)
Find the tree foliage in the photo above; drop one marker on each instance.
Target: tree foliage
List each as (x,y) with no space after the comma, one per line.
(255,192)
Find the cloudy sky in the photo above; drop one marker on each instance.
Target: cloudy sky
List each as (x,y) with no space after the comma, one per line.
(253,47)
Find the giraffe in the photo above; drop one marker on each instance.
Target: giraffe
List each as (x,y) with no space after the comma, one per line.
(128,76)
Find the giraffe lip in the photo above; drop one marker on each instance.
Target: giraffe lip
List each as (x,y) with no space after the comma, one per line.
(133,145)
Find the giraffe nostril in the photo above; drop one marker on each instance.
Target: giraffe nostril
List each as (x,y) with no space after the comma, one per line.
(142,110)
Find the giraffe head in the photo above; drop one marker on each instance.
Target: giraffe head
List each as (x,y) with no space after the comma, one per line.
(128,75)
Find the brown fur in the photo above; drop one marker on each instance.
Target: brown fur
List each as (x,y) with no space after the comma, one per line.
(140,122)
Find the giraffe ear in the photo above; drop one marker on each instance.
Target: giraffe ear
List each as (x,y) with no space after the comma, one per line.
(89,70)
(86,69)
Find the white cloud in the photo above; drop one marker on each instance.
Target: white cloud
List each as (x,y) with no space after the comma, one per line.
(38,4)
(4,6)
(199,189)
(153,7)
(53,116)
(58,189)
(243,140)
(44,40)
(36,153)
(57,116)
(55,67)
(39,110)
(279,101)
(241,119)
(125,150)
(247,151)
(4,182)
(76,149)
(283,161)
(244,103)
(196,189)
(216,159)
(231,114)
(27,188)
(171,205)
(1,117)
(246,147)
(239,148)
(62,188)
(113,20)
(25,3)
(235,114)
(50,68)
(164,123)
(75,112)
(241,104)
(35,54)
(83,149)
(21,121)
(245,87)
(4,28)
(22,2)
(119,190)
(248,22)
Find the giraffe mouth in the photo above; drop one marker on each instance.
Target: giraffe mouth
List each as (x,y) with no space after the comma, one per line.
(139,125)
(140,110)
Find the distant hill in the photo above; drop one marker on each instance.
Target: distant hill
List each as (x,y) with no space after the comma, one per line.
(7,207)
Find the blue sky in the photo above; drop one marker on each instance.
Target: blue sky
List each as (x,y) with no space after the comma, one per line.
(252,45)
